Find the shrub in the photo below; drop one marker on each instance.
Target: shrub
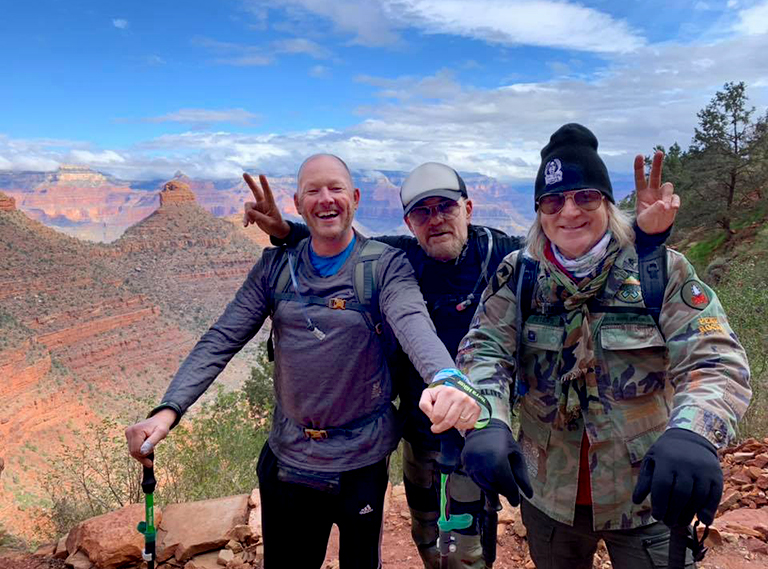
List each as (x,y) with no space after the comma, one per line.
(745,300)
(213,453)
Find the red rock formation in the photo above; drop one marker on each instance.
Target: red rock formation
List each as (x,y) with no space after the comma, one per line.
(88,329)
(111,540)
(214,519)
(174,193)
(7,203)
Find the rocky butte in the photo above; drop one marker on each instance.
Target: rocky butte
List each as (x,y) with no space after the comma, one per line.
(88,329)
(176,192)
(7,203)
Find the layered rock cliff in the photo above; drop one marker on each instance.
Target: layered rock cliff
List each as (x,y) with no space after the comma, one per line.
(88,330)
(81,202)
(90,205)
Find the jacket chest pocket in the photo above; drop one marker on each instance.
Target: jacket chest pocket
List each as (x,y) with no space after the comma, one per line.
(636,358)
(542,342)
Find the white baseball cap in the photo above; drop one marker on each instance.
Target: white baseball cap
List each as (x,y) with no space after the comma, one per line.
(429,180)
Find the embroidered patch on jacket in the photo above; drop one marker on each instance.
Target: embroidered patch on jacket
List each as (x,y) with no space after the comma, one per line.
(629,291)
(710,326)
(694,295)
(553,172)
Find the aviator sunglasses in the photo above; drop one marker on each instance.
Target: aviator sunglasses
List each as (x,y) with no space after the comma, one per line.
(588,200)
(449,209)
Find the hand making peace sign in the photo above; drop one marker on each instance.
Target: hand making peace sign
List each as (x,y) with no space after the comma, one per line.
(264,212)
(657,203)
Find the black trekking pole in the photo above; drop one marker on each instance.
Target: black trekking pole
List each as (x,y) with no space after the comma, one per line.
(489,528)
(447,462)
(682,538)
(678,544)
(147,527)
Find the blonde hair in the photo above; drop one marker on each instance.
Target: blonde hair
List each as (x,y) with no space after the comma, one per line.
(619,224)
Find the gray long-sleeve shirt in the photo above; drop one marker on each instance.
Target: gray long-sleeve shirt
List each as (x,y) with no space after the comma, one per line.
(325,383)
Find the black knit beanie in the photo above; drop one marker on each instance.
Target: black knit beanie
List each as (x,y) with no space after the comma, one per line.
(570,162)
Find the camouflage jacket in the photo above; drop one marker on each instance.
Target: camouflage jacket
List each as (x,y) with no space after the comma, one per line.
(689,372)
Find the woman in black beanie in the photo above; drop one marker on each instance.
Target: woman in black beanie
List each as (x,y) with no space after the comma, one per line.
(621,408)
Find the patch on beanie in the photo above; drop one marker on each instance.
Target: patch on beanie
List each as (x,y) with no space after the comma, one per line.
(553,173)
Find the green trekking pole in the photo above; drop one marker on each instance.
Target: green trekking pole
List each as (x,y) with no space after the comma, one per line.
(147,527)
(447,462)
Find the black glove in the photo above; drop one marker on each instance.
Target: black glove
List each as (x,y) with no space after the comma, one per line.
(493,459)
(683,475)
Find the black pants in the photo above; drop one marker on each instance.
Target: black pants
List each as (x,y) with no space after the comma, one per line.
(297,520)
(555,545)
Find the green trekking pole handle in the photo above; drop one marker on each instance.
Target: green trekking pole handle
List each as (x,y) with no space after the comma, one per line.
(448,461)
(147,527)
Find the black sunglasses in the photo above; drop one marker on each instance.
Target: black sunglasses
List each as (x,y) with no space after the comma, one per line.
(588,200)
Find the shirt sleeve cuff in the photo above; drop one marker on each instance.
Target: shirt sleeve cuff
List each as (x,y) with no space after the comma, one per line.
(702,422)
(645,240)
(168,405)
(277,242)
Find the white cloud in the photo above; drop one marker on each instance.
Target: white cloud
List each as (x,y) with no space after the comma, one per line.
(103,158)
(246,60)
(753,20)
(550,23)
(42,155)
(495,131)
(301,45)
(440,85)
(155,60)
(120,23)
(366,20)
(206,116)
(319,71)
(251,55)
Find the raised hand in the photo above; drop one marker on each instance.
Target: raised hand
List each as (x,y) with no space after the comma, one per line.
(264,211)
(657,203)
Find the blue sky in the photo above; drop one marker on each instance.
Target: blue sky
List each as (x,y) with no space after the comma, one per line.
(142,89)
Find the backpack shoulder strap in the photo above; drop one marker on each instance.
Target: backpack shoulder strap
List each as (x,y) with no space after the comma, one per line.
(652,264)
(526,270)
(366,286)
(279,283)
(280,278)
